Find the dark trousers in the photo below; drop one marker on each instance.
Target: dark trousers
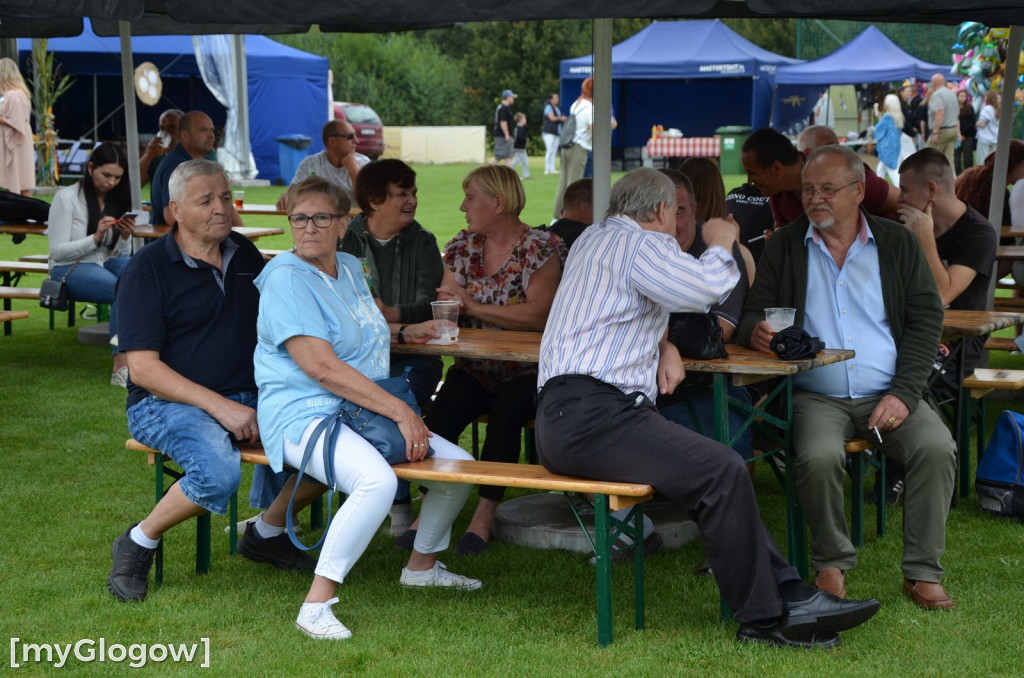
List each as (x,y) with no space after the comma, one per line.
(462,399)
(590,429)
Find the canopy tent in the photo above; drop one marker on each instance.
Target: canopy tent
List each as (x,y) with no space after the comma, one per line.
(871,57)
(661,72)
(398,14)
(287,88)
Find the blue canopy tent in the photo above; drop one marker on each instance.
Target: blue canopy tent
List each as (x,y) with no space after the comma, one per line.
(871,57)
(288,90)
(692,75)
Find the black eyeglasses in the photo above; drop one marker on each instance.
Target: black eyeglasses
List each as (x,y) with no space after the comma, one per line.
(350,136)
(322,220)
(827,192)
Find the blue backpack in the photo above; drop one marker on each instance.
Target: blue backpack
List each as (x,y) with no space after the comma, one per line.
(998,480)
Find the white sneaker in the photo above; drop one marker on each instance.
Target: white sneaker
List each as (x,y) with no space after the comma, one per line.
(438,576)
(318,622)
(401,519)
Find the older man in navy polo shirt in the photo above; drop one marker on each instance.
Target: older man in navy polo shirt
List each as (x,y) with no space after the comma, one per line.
(190,308)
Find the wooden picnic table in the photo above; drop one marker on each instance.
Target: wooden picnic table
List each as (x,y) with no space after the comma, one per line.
(957,324)
(23,229)
(250,232)
(1010,252)
(743,366)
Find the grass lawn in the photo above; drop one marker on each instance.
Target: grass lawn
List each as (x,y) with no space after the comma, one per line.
(68,487)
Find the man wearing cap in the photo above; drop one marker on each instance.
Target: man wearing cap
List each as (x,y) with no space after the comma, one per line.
(503,129)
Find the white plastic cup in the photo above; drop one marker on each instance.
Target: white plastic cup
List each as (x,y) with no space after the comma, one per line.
(446,313)
(779,318)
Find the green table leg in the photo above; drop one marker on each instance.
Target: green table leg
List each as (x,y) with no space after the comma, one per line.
(638,566)
(203,544)
(604,570)
(158,461)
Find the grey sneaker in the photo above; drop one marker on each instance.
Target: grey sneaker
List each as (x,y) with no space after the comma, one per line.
(119,377)
(129,575)
(317,621)
(438,576)
(279,551)
(401,519)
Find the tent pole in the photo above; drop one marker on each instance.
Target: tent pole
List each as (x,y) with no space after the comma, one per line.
(995,202)
(242,97)
(131,125)
(602,141)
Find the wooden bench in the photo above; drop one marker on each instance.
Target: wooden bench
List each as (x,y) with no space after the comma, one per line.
(6,317)
(26,228)
(11,273)
(35,258)
(975,388)
(608,496)
(857,447)
(1001,344)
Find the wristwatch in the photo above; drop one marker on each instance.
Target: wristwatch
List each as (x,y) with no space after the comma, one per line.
(401,334)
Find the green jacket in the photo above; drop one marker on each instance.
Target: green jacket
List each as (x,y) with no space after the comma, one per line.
(912,301)
(417,272)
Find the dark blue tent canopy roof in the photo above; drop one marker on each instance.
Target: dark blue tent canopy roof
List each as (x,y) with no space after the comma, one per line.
(287,87)
(870,57)
(683,49)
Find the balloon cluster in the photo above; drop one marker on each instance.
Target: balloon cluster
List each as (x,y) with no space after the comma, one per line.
(979,56)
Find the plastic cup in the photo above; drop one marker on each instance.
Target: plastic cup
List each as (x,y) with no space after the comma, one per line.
(779,318)
(239,199)
(446,313)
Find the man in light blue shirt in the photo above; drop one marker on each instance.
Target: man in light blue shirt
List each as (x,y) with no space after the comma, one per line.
(862,283)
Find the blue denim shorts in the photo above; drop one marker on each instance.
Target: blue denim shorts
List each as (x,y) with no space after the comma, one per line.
(196,442)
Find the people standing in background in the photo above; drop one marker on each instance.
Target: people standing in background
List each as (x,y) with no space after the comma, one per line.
(910,101)
(943,118)
(503,129)
(963,155)
(551,129)
(894,144)
(17,156)
(988,125)
(574,158)
(519,145)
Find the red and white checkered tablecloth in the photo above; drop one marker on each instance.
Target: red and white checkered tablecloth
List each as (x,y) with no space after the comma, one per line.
(684,147)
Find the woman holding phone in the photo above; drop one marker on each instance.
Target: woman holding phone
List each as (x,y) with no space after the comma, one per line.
(90,230)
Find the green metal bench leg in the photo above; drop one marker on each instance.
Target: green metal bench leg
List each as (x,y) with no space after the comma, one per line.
(203,543)
(639,606)
(602,547)
(963,444)
(316,513)
(159,465)
(880,506)
(233,524)
(857,500)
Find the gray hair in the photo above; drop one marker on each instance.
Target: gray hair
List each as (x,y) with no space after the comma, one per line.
(639,194)
(853,161)
(186,170)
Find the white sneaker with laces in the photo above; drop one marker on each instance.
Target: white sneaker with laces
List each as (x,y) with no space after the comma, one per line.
(438,576)
(317,621)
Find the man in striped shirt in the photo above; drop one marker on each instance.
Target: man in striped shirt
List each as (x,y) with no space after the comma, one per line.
(603,361)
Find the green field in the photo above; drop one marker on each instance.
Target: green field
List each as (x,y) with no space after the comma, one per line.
(68,487)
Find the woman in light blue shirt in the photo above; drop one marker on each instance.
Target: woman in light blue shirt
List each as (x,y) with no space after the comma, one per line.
(321,339)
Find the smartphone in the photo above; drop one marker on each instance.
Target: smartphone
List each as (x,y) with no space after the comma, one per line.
(124,216)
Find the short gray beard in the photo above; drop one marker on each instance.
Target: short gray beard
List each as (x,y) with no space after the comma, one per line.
(826,223)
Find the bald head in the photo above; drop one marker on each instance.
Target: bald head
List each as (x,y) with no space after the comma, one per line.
(196,133)
(816,136)
(938,80)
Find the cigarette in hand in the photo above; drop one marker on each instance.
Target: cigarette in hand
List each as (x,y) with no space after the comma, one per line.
(877,434)
(755,239)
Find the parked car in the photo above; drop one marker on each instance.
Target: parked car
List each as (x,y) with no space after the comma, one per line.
(367,125)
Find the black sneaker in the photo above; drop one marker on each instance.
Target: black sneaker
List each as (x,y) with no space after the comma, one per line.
(129,575)
(892,493)
(279,551)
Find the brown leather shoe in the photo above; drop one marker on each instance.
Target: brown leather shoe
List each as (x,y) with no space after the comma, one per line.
(929,595)
(832,580)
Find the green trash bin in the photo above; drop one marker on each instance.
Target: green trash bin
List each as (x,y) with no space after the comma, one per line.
(731,139)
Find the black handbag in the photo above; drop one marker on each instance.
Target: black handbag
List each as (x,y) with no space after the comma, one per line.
(53,294)
(697,336)
(794,343)
(376,429)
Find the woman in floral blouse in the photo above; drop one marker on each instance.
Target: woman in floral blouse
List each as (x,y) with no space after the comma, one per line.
(505,275)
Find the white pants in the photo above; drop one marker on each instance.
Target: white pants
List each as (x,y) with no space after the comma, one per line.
(983,151)
(550,152)
(369,482)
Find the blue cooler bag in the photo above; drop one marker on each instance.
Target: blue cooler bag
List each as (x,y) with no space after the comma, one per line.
(998,479)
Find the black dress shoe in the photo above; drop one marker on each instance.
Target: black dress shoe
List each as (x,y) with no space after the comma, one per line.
(825,613)
(754,632)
